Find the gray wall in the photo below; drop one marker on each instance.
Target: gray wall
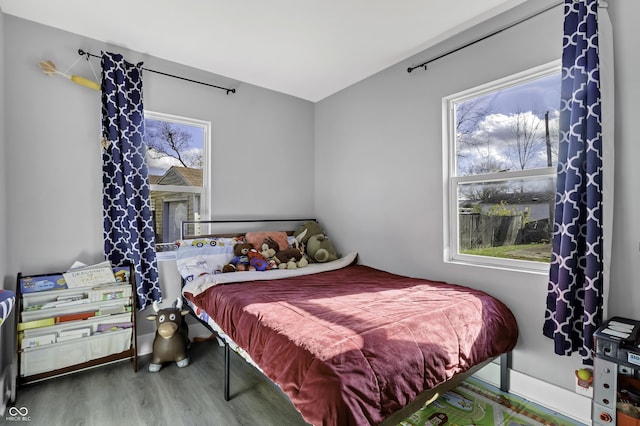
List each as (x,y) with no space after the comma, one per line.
(3,158)
(5,356)
(262,148)
(379,171)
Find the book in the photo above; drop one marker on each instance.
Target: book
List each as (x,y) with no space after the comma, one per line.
(72,309)
(34,284)
(40,340)
(116,309)
(111,294)
(68,298)
(35,324)
(113,326)
(74,317)
(92,275)
(69,337)
(122,273)
(58,304)
(81,332)
(46,282)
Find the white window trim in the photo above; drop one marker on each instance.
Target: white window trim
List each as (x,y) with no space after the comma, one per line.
(450,182)
(205,191)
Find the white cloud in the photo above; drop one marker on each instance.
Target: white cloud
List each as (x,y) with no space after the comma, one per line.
(159,165)
(495,136)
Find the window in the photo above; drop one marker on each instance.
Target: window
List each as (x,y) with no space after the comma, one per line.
(501,156)
(177,159)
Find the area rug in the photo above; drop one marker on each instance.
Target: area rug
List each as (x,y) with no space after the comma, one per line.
(477,403)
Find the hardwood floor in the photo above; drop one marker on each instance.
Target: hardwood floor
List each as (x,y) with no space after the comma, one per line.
(193,395)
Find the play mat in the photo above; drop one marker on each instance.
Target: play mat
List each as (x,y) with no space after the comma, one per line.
(477,403)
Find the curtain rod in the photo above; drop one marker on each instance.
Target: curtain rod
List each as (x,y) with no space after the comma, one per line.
(87,54)
(424,64)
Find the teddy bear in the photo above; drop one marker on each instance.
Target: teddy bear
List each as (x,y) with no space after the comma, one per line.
(318,248)
(291,258)
(240,260)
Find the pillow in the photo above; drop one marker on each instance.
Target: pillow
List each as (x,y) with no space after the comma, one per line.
(256,238)
(193,267)
(204,255)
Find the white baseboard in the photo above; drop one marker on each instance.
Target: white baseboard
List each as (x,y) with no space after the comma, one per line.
(563,401)
(489,374)
(566,402)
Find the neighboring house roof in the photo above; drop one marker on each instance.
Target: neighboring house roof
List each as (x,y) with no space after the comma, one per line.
(153,179)
(183,176)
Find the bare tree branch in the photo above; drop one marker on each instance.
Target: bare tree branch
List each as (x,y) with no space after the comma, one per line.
(168,140)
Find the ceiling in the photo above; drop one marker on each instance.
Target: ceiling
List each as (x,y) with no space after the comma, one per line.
(306,48)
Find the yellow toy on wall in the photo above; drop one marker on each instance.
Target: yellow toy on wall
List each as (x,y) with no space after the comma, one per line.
(49,68)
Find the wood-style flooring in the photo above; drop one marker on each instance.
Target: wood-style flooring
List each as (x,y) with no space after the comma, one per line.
(190,396)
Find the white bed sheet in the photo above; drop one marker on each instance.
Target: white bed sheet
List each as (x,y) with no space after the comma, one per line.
(203,282)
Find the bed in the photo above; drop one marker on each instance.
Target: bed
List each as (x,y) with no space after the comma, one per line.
(347,343)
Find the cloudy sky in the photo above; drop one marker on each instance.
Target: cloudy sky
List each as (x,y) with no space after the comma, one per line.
(159,165)
(494,140)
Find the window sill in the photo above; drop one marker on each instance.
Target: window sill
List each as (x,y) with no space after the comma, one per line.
(162,256)
(513,266)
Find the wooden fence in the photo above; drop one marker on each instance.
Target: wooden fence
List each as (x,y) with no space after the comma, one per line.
(479,231)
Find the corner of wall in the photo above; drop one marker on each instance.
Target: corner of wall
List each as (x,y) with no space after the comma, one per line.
(5,356)
(3,159)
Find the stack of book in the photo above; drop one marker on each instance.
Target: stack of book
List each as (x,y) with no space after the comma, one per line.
(81,305)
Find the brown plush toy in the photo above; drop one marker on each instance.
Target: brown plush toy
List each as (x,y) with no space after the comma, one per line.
(240,261)
(292,258)
(268,249)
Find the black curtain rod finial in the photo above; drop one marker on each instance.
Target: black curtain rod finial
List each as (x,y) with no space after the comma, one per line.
(87,54)
(417,66)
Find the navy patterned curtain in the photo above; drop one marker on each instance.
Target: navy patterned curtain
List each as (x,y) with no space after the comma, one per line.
(575,290)
(128,227)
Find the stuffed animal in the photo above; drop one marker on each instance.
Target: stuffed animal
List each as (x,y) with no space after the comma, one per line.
(317,245)
(240,260)
(172,336)
(291,258)
(320,249)
(269,248)
(257,262)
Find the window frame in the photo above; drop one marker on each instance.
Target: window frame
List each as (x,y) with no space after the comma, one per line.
(205,191)
(451,180)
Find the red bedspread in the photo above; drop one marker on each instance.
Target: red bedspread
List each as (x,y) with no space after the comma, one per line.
(351,346)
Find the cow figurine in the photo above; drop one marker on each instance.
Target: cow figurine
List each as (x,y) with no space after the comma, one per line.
(172,336)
